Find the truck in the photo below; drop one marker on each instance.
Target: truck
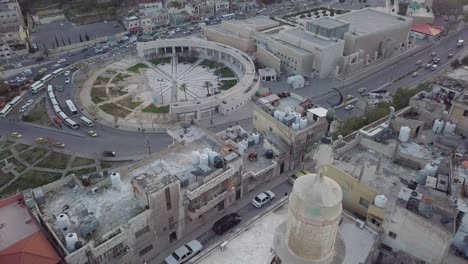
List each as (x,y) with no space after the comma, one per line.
(460,43)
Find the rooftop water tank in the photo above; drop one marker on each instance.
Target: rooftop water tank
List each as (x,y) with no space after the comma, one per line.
(298,117)
(430,169)
(276,114)
(115,180)
(206,151)
(204,159)
(281,116)
(269,154)
(287,110)
(437,127)
(404,134)
(295,126)
(63,221)
(195,157)
(242,146)
(70,240)
(256,137)
(303,123)
(449,128)
(211,157)
(380,201)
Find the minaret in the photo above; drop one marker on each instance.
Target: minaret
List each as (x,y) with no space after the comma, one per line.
(310,233)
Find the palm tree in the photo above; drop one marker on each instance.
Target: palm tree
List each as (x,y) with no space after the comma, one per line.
(183,87)
(207,85)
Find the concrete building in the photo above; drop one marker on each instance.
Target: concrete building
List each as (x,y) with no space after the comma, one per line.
(327,27)
(13,34)
(157,13)
(293,119)
(133,215)
(459,112)
(138,24)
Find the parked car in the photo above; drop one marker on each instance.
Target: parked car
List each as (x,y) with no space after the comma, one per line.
(349,97)
(294,176)
(42,70)
(418,62)
(41,140)
(415,74)
(349,107)
(16,135)
(436,61)
(225,223)
(61,60)
(450,55)
(433,54)
(184,253)
(263,198)
(428,66)
(92,133)
(434,67)
(362,89)
(19,65)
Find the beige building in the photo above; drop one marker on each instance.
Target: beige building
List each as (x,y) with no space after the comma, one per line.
(459,112)
(12,31)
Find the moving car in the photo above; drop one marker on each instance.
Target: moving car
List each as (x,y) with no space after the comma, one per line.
(433,54)
(23,108)
(67,72)
(29,102)
(109,153)
(428,66)
(184,253)
(61,60)
(349,107)
(293,177)
(92,133)
(362,89)
(42,70)
(450,55)
(19,65)
(41,140)
(434,67)
(226,223)
(16,135)
(349,97)
(59,144)
(415,74)
(418,62)
(263,198)
(67,80)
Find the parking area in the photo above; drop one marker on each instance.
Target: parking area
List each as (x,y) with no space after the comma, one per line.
(65,33)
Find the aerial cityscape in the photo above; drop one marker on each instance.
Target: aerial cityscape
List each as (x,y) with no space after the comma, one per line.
(233,131)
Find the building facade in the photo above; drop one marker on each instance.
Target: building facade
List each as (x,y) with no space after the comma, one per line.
(13,34)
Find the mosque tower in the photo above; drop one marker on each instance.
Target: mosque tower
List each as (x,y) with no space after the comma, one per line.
(310,233)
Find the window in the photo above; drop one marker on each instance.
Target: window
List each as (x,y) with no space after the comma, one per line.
(385,247)
(146,250)
(168,199)
(142,231)
(173,237)
(465,113)
(171,222)
(364,202)
(392,235)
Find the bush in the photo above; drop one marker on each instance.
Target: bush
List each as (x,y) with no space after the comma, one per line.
(455,64)
(403,95)
(309,15)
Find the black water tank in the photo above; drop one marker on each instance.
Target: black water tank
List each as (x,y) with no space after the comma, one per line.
(269,154)
(218,162)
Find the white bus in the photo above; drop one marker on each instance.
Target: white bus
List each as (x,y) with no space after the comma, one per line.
(62,115)
(86,121)
(5,111)
(47,78)
(35,84)
(57,109)
(49,88)
(72,124)
(57,72)
(228,16)
(51,95)
(71,107)
(37,88)
(53,101)
(15,101)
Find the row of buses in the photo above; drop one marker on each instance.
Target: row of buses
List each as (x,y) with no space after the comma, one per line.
(8,107)
(39,85)
(71,108)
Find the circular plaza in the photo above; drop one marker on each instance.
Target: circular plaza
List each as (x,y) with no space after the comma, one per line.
(170,81)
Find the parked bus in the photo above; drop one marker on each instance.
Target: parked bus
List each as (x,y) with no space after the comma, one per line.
(47,78)
(5,111)
(36,89)
(57,109)
(57,72)
(35,84)
(71,107)
(86,121)
(50,89)
(62,115)
(228,16)
(51,95)
(72,124)
(53,101)
(15,101)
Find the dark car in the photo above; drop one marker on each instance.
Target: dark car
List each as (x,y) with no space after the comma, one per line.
(226,223)
(109,153)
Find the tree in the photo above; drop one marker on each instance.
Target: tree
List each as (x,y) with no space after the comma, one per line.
(183,87)
(447,7)
(455,64)
(207,85)
(86,36)
(81,39)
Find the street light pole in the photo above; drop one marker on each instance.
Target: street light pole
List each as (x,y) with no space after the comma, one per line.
(162,98)
(148,143)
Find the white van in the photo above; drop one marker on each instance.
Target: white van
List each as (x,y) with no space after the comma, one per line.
(434,67)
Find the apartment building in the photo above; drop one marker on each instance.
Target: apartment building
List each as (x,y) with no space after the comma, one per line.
(12,31)
(157,13)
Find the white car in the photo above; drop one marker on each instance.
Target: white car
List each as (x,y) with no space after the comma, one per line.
(415,74)
(434,67)
(418,62)
(67,73)
(29,102)
(61,60)
(67,80)
(184,253)
(362,89)
(263,198)
(349,107)
(19,65)
(23,108)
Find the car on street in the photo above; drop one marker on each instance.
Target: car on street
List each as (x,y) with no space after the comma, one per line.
(23,108)
(415,74)
(349,107)
(418,62)
(263,198)
(109,153)
(67,72)
(42,70)
(428,66)
(29,102)
(226,222)
(55,66)
(41,140)
(59,144)
(61,60)
(293,177)
(436,61)
(450,55)
(92,133)
(434,67)
(16,135)
(349,97)
(433,54)
(362,89)
(18,65)
(184,253)
(67,80)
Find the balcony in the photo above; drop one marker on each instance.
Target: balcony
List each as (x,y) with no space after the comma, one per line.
(212,203)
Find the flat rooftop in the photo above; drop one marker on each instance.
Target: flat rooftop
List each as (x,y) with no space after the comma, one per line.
(292,47)
(110,207)
(368,20)
(327,22)
(253,245)
(259,165)
(259,21)
(306,36)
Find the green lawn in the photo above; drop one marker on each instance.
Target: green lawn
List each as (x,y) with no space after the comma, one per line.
(157,109)
(54,161)
(98,94)
(32,179)
(136,68)
(109,164)
(82,171)
(5,178)
(225,72)
(227,84)
(114,110)
(38,114)
(81,162)
(33,155)
(5,154)
(160,61)
(20,147)
(128,102)
(19,166)
(5,144)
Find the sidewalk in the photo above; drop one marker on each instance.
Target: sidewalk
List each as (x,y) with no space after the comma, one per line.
(238,205)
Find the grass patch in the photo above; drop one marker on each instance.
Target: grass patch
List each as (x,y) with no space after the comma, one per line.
(211,64)
(160,61)
(228,84)
(32,179)
(225,72)
(136,68)
(109,164)
(33,155)
(5,178)
(117,91)
(156,109)
(5,154)
(98,94)
(81,162)
(19,166)
(21,147)
(120,77)
(82,171)
(128,102)
(101,80)
(38,114)
(115,110)
(5,144)
(55,161)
